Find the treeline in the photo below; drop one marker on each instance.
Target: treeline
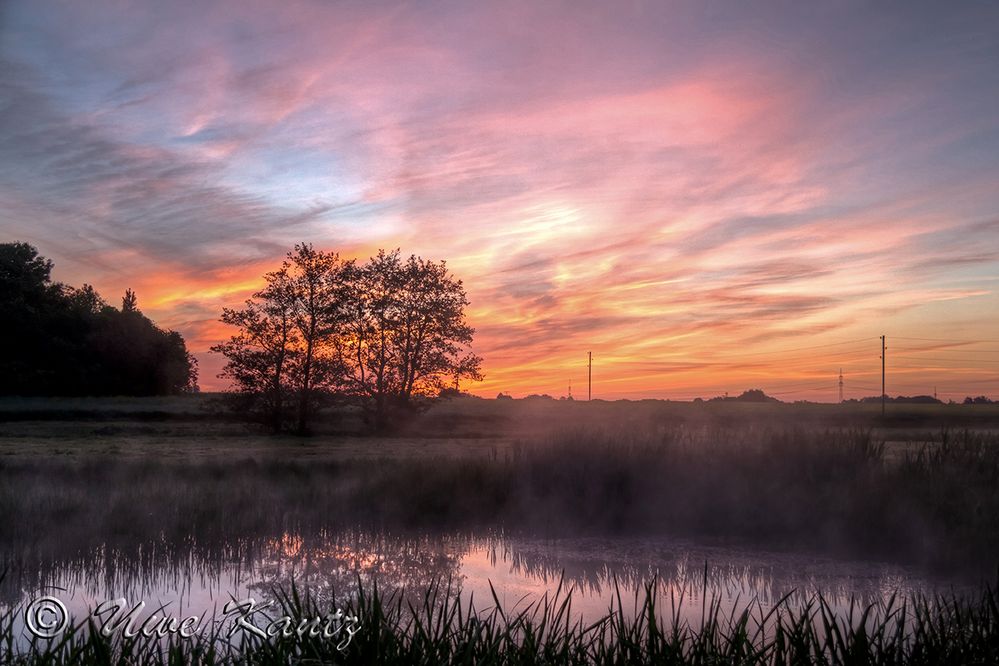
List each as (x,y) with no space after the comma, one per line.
(382,335)
(57,340)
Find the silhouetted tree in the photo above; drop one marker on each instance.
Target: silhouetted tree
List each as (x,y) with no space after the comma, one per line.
(39,338)
(129,302)
(262,355)
(382,334)
(405,334)
(86,302)
(136,356)
(283,353)
(57,340)
(319,284)
(751,395)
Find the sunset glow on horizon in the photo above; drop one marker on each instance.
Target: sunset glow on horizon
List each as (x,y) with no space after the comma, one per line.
(709,197)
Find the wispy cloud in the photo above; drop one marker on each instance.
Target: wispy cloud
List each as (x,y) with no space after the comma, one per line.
(668,186)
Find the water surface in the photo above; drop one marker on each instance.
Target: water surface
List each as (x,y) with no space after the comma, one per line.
(600,573)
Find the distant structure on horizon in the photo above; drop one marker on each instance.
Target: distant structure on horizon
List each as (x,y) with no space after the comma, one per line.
(589,376)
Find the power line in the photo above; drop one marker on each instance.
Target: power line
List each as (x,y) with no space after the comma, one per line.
(950,351)
(801,360)
(973,381)
(800,386)
(948,360)
(694,364)
(831,344)
(802,390)
(828,355)
(956,342)
(847,353)
(832,361)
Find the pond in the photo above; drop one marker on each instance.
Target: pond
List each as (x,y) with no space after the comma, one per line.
(600,573)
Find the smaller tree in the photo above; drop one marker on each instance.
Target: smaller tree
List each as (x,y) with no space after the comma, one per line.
(129,302)
(136,356)
(318,282)
(262,355)
(406,335)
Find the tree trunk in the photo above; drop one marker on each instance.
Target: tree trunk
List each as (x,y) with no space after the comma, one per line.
(303,402)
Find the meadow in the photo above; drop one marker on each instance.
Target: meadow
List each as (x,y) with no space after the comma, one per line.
(126,487)
(787,475)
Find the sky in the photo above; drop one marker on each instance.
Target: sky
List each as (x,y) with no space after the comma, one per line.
(709,196)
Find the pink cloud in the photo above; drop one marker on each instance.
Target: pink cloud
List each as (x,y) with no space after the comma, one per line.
(664,190)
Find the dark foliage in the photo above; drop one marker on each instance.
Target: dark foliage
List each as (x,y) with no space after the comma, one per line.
(387,336)
(59,340)
(904,399)
(752,395)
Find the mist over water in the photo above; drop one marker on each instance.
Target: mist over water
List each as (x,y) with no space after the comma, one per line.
(714,506)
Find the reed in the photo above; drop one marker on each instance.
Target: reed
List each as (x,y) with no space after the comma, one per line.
(442,629)
(837,491)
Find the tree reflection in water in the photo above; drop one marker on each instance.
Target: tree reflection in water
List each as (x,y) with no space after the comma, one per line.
(329,566)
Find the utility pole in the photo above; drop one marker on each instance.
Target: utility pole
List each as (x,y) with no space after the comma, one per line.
(883,376)
(589,377)
(841,386)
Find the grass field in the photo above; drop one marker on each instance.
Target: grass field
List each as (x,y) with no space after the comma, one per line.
(187,426)
(130,477)
(815,476)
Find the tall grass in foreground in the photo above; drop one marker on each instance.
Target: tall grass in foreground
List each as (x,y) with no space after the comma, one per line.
(444,630)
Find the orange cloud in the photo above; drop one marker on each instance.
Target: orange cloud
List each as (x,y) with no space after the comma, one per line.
(692,198)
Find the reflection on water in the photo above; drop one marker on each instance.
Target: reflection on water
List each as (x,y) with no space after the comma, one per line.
(330,567)
(597,570)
